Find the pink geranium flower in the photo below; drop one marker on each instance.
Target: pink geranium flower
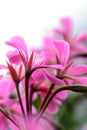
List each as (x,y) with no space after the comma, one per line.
(27,72)
(19,44)
(6,89)
(77,43)
(70,73)
(6,86)
(36,81)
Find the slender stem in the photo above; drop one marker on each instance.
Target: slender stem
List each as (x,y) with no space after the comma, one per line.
(26,93)
(20,101)
(73,87)
(47,95)
(8,117)
(27,76)
(41,90)
(30,100)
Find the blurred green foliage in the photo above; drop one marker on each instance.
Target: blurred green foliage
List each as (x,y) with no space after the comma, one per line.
(72,113)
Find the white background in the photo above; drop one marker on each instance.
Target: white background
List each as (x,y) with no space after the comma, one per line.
(33,18)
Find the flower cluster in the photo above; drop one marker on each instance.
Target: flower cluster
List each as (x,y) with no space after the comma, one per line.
(37,81)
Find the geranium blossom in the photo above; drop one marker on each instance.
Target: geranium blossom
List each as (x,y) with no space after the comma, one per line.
(60,51)
(77,43)
(37,81)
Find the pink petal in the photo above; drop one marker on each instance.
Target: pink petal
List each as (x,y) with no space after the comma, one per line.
(53,79)
(78,70)
(66,26)
(52,107)
(81,38)
(38,75)
(3,67)
(14,57)
(57,31)
(62,49)
(47,54)
(62,95)
(18,43)
(3,122)
(81,80)
(34,111)
(48,43)
(6,86)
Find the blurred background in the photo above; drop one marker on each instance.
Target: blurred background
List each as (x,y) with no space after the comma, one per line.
(32,19)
